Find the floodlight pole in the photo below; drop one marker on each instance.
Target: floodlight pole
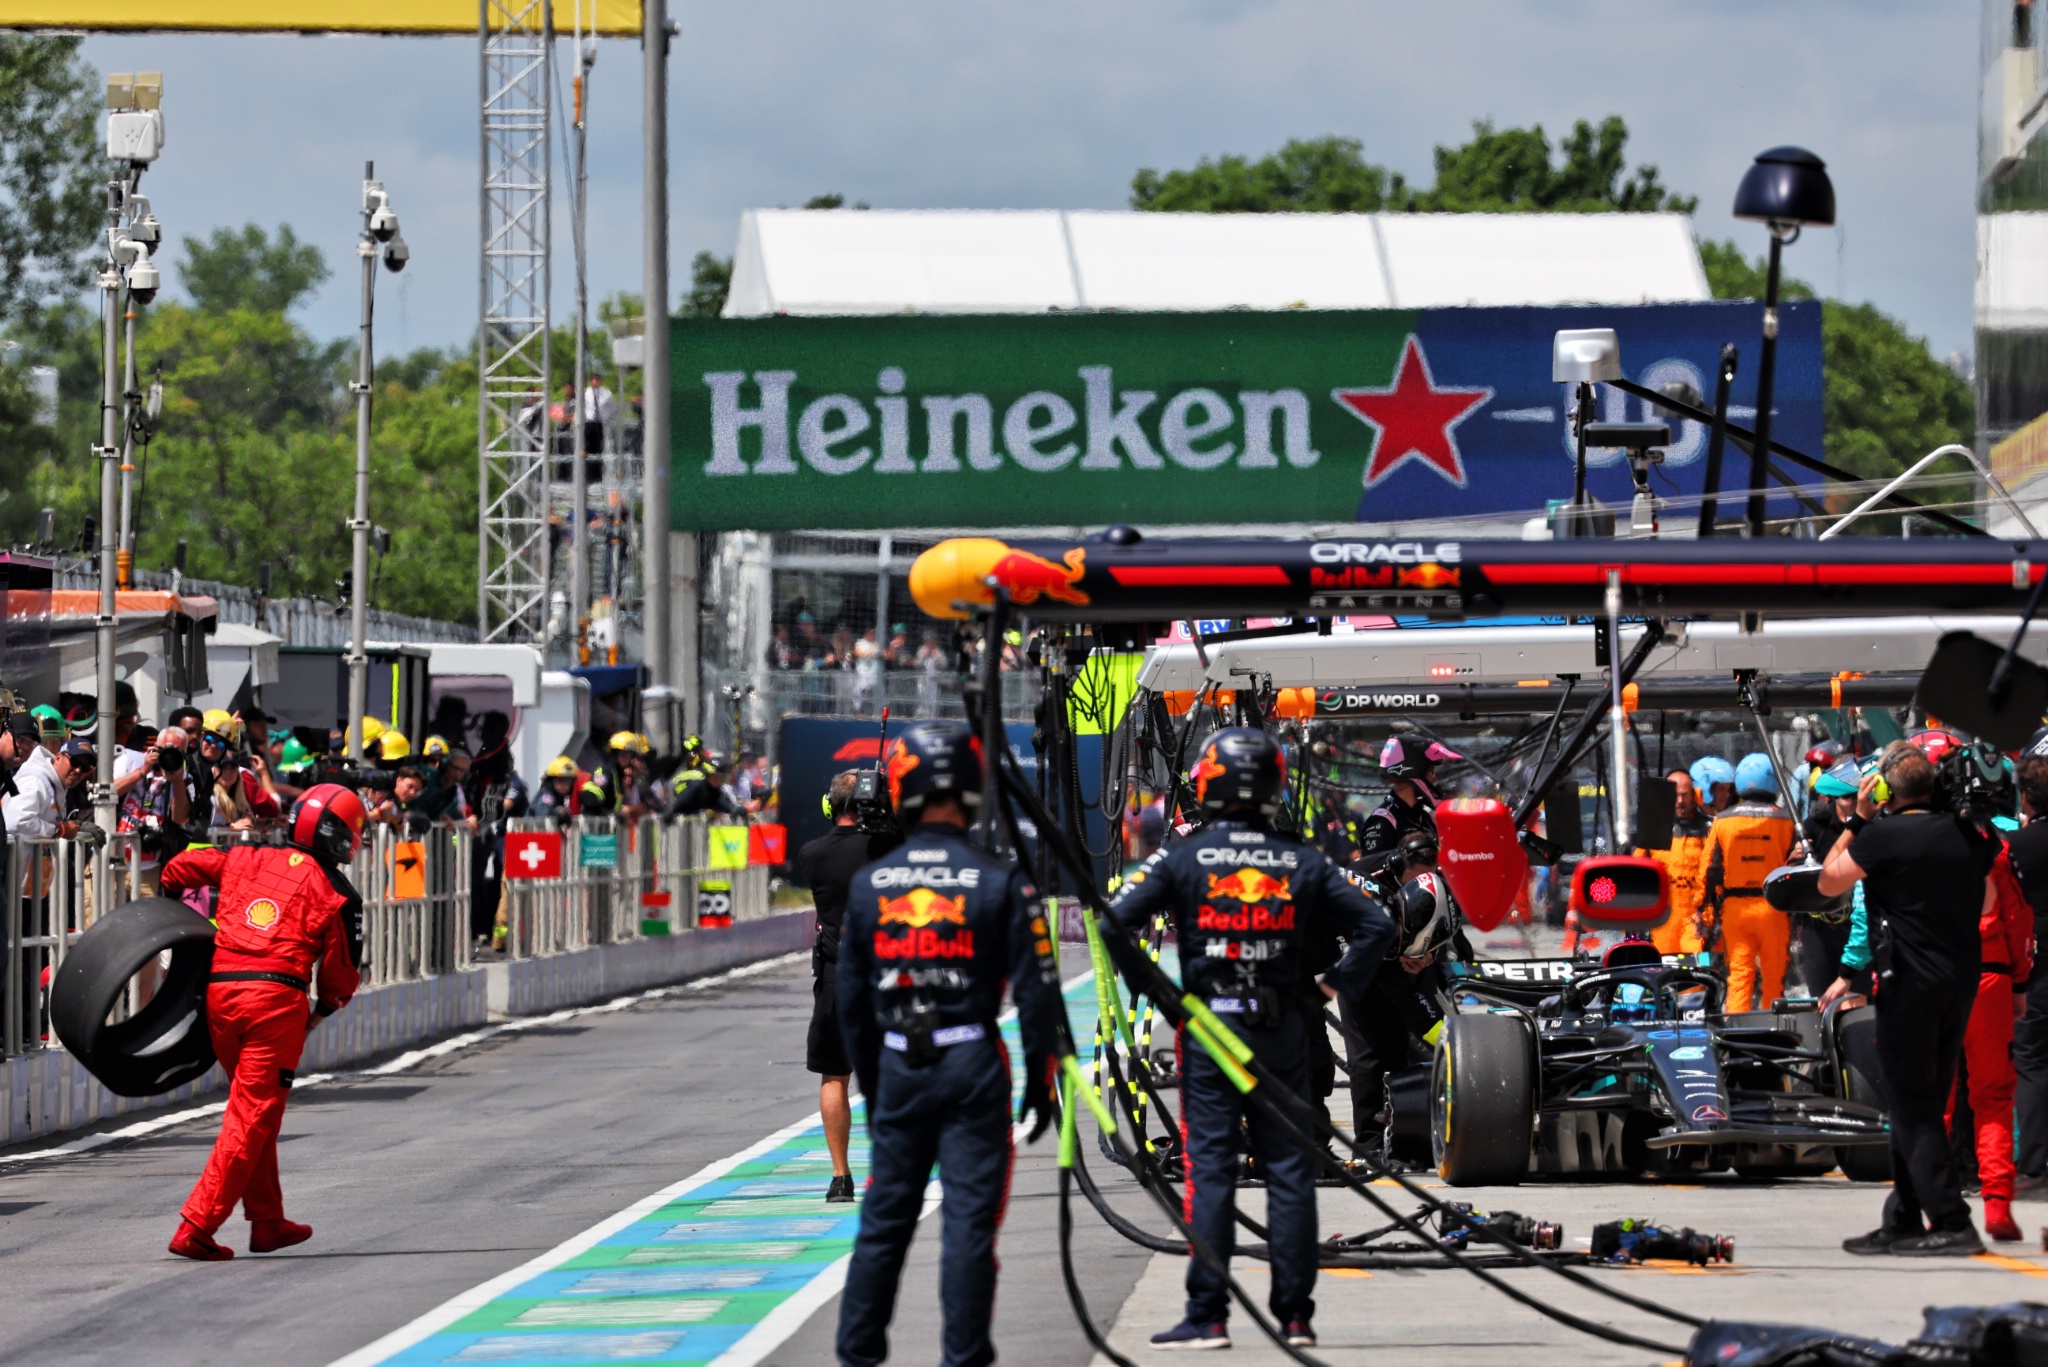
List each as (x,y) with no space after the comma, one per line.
(1767,366)
(655,374)
(579,479)
(359,525)
(108,451)
(131,400)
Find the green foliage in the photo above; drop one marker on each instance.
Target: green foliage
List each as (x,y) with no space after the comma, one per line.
(1888,400)
(1509,170)
(51,172)
(710,282)
(1314,175)
(254,458)
(831,201)
(1498,171)
(247,270)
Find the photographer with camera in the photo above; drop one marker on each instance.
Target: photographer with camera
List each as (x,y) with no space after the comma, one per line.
(157,806)
(1925,875)
(863,830)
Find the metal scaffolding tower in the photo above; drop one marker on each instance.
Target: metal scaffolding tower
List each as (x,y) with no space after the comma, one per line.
(513,429)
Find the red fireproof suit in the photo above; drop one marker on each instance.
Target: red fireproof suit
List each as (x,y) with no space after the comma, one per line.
(279,911)
(2008,931)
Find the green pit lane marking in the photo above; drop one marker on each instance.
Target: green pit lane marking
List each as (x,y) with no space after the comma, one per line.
(720,1268)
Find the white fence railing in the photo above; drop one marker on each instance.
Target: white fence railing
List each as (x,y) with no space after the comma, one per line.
(619,881)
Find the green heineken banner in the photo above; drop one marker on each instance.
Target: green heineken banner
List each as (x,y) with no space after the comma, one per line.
(1228,418)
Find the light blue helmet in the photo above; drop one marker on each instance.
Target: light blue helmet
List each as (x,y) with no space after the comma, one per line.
(1755,776)
(1709,771)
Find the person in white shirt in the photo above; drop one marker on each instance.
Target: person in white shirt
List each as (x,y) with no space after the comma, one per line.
(596,413)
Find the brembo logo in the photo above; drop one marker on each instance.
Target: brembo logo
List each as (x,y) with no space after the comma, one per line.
(1466,856)
(1383,552)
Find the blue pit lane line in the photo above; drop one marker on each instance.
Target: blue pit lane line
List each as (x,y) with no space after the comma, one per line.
(720,1268)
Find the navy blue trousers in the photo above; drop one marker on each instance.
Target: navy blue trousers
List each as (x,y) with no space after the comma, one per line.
(1210,1110)
(956,1113)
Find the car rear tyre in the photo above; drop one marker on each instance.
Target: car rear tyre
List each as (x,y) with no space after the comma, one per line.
(161,1046)
(1482,1101)
(1862,1080)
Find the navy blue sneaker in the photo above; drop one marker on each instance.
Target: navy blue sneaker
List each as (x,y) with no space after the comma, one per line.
(1299,1334)
(1188,1334)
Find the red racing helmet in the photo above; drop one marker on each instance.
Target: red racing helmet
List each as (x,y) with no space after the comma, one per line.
(328,820)
(1935,743)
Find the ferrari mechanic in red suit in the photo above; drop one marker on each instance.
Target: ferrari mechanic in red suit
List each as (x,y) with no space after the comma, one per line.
(280,910)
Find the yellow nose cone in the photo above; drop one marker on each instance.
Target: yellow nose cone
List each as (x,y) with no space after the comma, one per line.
(955,572)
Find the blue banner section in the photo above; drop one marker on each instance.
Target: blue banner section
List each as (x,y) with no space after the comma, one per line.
(1472,424)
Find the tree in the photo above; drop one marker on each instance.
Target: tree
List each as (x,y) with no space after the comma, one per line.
(710,282)
(1888,401)
(51,172)
(1498,171)
(247,270)
(1315,175)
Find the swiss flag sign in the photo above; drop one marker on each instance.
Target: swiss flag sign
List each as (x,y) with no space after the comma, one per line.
(533,854)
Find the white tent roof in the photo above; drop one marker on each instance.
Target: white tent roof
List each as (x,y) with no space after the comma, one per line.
(802,261)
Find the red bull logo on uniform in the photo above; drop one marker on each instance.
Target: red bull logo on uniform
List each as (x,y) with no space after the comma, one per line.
(921,907)
(1246,918)
(1249,885)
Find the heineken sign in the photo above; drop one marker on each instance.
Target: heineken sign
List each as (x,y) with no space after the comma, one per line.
(1080,420)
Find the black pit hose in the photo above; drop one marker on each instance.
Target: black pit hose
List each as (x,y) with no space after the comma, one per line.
(1141,974)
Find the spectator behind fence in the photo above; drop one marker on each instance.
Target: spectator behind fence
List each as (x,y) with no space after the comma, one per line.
(35,809)
(157,806)
(496,795)
(558,799)
(829,864)
(1924,875)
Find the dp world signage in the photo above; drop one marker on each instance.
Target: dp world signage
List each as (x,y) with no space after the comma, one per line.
(1236,418)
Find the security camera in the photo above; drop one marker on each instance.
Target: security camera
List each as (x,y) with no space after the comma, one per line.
(146,230)
(383,223)
(396,254)
(144,280)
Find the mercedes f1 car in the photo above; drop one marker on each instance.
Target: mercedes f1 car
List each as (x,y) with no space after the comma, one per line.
(1631,1066)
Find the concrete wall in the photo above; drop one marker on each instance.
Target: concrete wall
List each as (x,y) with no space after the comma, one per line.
(50,1092)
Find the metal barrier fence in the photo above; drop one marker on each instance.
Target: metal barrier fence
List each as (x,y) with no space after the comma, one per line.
(620,881)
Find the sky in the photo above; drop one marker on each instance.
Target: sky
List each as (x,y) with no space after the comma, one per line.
(1056,103)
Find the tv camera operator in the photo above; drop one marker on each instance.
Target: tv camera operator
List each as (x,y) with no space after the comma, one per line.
(1239,895)
(862,832)
(1925,874)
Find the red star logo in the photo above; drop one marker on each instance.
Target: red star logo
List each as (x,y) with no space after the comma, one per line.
(1414,419)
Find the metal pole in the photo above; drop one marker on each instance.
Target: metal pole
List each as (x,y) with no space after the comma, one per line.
(1617,717)
(1717,437)
(579,482)
(130,401)
(1767,365)
(359,525)
(109,453)
(654,445)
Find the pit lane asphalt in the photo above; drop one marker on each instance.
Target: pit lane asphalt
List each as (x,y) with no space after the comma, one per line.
(424,1184)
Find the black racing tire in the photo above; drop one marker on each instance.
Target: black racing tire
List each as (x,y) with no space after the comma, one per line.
(1862,1080)
(1482,1106)
(166,1043)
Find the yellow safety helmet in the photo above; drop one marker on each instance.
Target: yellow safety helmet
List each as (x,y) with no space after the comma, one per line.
(435,748)
(394,745)
(630,741)
(217,721)
(561,766)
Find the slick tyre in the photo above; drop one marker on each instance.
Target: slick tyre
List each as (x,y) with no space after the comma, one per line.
(163,1045)
(1483,1101)
(1862,1080)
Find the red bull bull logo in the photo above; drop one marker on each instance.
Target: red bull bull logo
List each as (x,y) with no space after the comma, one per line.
(1030,577)
(1249,886)
(1428,576)
(921,907)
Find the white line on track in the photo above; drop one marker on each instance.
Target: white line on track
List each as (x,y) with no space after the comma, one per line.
(757,1343)
(142,1129)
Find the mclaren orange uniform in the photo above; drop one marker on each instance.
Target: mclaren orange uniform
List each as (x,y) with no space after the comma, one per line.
(280,911)
(2007,928)
(1743,845)
(1682,865)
